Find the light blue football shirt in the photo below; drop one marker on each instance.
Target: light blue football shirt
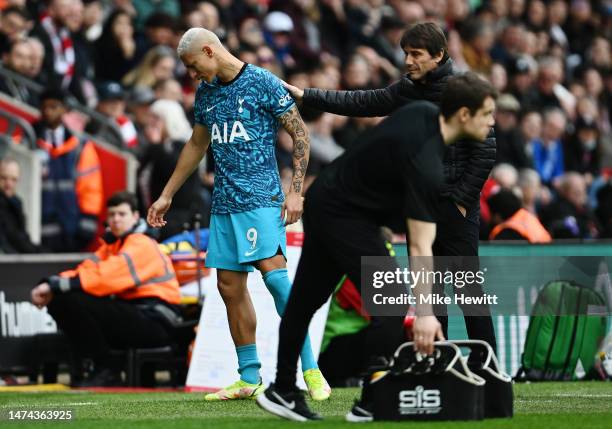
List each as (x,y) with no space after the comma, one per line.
(241,117)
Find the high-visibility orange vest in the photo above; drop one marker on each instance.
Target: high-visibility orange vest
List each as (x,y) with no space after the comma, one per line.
(130,268)
(527,225)
(72,188)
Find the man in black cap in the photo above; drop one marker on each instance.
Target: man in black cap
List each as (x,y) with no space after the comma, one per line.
(467,163)
(112,104)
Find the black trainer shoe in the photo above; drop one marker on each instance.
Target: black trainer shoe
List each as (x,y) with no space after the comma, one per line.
(291,406)
(360,413)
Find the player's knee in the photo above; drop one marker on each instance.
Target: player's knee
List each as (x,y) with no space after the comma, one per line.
(229,291)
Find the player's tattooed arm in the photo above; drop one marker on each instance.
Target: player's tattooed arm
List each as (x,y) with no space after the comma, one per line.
(295,126)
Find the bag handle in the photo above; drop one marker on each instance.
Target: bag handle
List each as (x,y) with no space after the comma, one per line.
(491,364)
(462,373)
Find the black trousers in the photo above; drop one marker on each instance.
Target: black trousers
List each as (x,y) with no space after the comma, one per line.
(457,236)
(96,325)
(335,239)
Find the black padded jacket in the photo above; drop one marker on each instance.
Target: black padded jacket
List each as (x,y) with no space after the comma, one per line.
(467,163)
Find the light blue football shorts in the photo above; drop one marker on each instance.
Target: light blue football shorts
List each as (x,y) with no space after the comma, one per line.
(239,239)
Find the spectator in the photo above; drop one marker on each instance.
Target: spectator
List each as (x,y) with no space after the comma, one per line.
(498,77)
(510,142)
(18,60)
(168,89)
(505,175)
(333,25)
(599,56)
(522,72)
(305,38)
(211,19)
(549,92)
(323,146)
(139,107)
(410,12)
(604,210)
(250,34)
(93,17)
(387,42)
(37,58)
(568,216)
(531,189)
(158,64)
(536,15)
(71,183)
(65,62)
(159,31)
(512,222)
(278,27)
(580,28)
(112,105)
(356,74)
(125,296)
(13,235)
(266,59)
(116,48)
(548,154)
(144,9)
(381,69)
(478,39)
(507,47)
(15,22)
(583,149)
(531,128)
(168,130)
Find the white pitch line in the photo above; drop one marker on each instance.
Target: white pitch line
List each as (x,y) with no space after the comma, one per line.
(59,404)
(594,395)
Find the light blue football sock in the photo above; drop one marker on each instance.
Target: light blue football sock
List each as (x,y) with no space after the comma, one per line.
(277,282)
(248,363)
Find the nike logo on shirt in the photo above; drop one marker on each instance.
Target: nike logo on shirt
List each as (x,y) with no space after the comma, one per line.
(208,109)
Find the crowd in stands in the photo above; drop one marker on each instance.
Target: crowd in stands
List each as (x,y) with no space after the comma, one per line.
(550,60)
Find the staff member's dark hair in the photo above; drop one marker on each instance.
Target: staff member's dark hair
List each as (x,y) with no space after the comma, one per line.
(465,90)
(119,198)
(426,35)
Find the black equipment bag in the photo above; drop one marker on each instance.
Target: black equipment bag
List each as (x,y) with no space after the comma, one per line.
(498,399)
(435,387)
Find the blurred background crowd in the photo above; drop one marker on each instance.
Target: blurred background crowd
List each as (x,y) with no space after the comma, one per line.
(550,60)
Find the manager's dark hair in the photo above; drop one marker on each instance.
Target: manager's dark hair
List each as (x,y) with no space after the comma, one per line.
(465,90)
(426,35)
(119,198)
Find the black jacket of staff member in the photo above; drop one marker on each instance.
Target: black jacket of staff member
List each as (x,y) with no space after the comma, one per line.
(467,163)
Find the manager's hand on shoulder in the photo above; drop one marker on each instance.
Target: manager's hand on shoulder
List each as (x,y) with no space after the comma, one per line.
(296,93)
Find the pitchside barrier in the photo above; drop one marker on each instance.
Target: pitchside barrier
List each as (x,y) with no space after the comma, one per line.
(521,269)
(515,273)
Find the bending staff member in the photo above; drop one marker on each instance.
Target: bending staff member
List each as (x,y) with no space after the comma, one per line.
(395,171)
(467,163)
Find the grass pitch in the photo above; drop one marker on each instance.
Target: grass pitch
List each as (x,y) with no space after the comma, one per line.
(538,406)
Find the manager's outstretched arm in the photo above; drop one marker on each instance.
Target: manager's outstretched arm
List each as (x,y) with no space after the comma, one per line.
(191,155)
(295,126)
(426,328)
